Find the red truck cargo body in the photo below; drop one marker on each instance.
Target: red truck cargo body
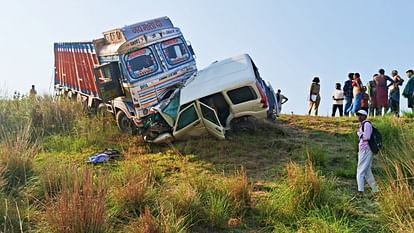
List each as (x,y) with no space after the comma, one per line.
(74,64)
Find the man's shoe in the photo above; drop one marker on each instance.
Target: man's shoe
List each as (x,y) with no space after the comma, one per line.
(359,194)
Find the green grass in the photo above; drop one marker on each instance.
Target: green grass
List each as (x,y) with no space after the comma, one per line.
(293,176)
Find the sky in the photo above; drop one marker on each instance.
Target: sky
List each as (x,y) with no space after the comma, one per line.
(290,41)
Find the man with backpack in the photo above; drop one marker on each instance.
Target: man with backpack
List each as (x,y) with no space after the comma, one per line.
(367,135)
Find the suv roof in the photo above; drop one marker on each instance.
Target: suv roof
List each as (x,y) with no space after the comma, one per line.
(218,76)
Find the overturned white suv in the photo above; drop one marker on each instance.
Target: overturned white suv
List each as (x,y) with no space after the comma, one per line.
(226,93)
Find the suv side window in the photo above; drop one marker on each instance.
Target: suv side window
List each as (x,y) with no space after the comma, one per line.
(242,94)
(187,116)
(209,114)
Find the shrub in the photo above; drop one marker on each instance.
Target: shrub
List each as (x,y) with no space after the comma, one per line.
(80,205)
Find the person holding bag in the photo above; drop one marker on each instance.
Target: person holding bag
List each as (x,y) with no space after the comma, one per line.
(314,96)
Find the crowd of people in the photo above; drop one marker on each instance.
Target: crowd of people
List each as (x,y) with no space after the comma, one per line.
(378,97)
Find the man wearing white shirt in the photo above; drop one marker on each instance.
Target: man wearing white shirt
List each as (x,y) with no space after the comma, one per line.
(338,100)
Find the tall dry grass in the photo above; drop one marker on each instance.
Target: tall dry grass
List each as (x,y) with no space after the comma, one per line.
(397,202)
(239,190)
(301,192)
(164,222)
(135,189)
(396,196)
(80,205)
(17,151)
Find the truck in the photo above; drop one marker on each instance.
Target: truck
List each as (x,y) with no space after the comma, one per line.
(127,71)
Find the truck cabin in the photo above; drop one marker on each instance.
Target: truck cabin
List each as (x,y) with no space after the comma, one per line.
(144,63)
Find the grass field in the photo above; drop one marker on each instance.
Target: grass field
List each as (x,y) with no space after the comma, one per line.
(293,176)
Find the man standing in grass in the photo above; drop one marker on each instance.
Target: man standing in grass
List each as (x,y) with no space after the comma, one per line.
(32,92)
(281,99)
(348,93)
(338,100)
(409,89)
(364,169)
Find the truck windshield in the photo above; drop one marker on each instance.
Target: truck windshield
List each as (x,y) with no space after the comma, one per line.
(141,62)
(175,51)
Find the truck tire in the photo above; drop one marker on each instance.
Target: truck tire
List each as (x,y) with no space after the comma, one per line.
(101,110)
(123,122)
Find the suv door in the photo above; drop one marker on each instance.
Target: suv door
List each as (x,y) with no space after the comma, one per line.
(211,121)
(107,77)
(188,123)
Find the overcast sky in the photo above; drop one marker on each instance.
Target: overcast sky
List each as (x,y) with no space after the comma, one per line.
(290,41)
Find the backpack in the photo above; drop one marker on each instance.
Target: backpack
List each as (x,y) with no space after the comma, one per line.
(375,142)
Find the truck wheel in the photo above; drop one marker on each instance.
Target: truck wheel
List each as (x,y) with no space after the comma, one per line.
(123,122)
(101,110)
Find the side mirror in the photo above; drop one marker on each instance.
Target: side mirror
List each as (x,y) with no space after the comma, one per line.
(190,47)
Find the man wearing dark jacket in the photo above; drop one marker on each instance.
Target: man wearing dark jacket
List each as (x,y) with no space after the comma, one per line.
(348,96)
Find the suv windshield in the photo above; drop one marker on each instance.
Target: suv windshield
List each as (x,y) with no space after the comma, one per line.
(172,105)
(175,51)
(141,62)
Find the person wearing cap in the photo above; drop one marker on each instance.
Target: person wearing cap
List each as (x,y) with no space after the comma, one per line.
(364,169)
(409,89)
(314,96)
(394,99)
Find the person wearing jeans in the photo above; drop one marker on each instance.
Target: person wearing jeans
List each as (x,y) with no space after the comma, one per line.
(357,93)
(364,169)
(348,96)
